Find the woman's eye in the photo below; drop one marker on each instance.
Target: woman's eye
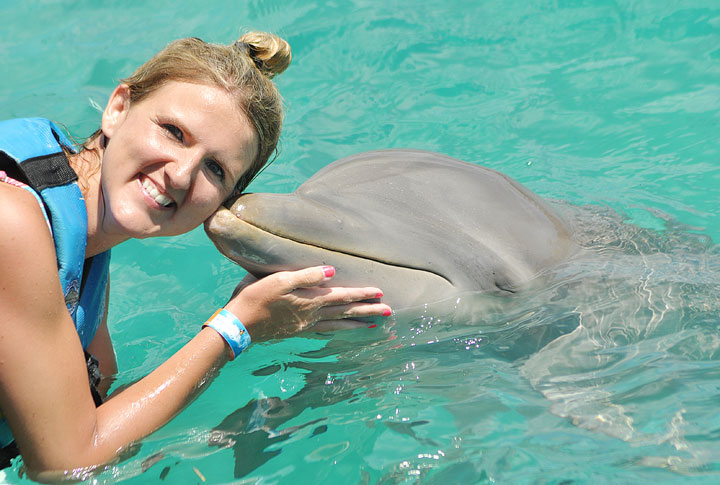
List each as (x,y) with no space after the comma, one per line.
(174,131)
(216,169)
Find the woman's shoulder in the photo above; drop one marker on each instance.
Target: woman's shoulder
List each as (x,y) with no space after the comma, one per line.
(25,238)
(30,289)
(19,209)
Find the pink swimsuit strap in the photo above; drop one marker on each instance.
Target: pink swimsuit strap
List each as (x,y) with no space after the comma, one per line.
(11,181)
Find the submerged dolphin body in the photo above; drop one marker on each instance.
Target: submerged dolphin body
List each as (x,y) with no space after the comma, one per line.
(421,226)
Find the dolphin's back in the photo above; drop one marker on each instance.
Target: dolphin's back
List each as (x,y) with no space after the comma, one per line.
(474,225)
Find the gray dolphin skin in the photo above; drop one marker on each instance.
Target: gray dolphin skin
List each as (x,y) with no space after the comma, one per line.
(422,226)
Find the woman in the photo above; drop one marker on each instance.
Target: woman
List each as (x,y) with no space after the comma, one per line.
(187,130)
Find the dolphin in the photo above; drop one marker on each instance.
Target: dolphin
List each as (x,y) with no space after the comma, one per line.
(422,226)
(425,227)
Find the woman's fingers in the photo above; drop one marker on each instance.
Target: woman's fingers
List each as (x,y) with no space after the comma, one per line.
(289,281)
(288,302)
(354,310)
(338,295)
(304,284)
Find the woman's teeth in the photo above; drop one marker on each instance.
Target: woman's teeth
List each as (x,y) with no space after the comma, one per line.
(155,194)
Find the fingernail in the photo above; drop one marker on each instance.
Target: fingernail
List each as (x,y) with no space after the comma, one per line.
(328,271)
(387,313)
(372,326)
(379,294)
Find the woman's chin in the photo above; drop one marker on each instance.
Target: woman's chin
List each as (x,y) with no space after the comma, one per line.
(132,225)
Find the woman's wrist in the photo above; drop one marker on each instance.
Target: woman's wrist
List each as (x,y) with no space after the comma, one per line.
(231,329)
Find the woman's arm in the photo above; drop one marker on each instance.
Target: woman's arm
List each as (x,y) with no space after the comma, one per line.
(44,391)
(43,381)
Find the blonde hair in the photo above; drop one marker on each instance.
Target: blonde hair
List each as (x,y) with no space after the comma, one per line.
(244,69)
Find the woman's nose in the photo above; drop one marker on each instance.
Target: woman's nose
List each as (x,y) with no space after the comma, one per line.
(182,171)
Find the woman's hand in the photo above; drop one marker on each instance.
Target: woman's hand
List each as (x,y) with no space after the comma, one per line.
(289,302)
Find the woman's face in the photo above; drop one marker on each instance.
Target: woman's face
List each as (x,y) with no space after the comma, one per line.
(171,159)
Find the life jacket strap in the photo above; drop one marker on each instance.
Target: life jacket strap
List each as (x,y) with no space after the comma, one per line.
(48,171)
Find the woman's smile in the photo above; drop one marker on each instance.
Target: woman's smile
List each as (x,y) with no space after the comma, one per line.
(155,195)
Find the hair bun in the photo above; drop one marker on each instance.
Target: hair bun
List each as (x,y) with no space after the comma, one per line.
(271,53)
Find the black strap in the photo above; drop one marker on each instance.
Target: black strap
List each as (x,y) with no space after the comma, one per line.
(7,454)
(9,166)
(48,171)
(94,377)
(40,172)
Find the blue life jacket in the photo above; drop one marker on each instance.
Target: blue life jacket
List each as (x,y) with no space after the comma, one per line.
(31,151)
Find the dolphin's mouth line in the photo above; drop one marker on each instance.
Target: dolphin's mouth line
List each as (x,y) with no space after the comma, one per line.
(346,253)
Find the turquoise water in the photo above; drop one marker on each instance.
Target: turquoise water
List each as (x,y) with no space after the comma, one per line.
(609,105)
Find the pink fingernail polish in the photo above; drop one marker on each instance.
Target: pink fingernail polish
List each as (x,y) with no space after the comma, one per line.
(379,295)
(328,271)
(387,313)
(372,326)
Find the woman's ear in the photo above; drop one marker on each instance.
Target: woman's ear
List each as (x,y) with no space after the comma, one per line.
(116,110)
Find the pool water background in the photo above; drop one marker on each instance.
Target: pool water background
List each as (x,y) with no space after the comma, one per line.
(605,103)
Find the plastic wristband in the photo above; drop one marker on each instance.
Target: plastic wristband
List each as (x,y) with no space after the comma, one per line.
(231,329)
